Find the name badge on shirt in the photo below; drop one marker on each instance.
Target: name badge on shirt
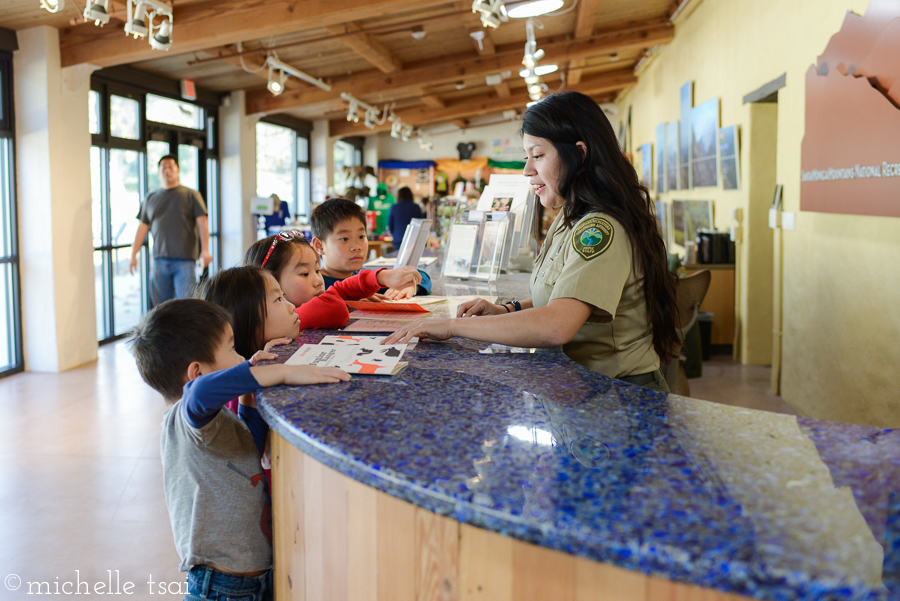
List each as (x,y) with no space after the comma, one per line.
(592,237)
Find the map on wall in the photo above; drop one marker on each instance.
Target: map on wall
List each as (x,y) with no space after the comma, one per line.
(850,158)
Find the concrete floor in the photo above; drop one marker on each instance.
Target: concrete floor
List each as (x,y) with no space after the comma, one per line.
(81,477)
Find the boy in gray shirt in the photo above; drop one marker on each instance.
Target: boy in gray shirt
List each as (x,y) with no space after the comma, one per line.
(216,490)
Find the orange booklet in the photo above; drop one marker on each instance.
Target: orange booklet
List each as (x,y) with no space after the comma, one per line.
(385,307)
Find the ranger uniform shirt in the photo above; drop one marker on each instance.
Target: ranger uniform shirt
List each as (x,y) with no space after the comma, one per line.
(592,262)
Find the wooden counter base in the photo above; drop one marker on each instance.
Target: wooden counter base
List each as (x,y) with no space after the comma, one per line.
(339,540)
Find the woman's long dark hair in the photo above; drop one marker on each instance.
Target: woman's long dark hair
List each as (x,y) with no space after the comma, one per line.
(603,180)
(241,290)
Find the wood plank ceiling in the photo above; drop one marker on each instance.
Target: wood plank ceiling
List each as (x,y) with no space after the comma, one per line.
(366,48)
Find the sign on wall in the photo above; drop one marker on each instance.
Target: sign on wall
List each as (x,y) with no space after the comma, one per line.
(850,156)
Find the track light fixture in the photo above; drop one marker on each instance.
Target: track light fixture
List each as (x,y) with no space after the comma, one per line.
(134,21)
(276,81)
(53,7)
(97,11)
(493,12)
(353,112)
(162,39)
(286,70)
(532,71)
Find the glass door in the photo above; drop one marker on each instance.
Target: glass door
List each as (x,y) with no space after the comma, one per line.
(116,186)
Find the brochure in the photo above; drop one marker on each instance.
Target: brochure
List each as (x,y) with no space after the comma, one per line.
(366,325)
(389,315)
(381,307)
(368,357)
(349,339)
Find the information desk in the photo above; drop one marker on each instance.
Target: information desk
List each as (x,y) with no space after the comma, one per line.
(526,476)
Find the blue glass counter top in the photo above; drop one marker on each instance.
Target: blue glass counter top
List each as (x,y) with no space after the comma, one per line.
(535,447)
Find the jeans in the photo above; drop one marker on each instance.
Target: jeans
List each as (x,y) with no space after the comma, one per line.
(208,583)
(170,278)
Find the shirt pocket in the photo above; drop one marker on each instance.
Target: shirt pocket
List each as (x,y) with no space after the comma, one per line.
(551,271)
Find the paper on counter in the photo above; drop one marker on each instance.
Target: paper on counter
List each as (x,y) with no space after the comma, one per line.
(407,305)
(370,341)
(377,360)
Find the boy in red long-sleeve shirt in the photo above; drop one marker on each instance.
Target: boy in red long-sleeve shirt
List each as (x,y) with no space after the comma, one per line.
(295,265)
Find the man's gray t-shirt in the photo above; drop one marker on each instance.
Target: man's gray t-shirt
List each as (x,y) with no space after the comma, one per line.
(172,216)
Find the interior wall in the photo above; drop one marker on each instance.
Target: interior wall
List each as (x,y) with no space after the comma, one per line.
(840,271)
(54,205)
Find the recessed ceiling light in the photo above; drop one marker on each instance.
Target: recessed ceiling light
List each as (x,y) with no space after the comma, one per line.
(533,8)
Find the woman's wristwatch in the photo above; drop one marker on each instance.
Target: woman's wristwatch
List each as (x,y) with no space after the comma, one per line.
(517,306)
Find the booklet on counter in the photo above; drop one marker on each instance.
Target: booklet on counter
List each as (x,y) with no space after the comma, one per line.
(354,354)
(381,307)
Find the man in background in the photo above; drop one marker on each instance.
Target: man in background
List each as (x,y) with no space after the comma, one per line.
(177,218)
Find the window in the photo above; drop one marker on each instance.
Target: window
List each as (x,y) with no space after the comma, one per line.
(10,316)
(131,130)
(174,112)
(348,153)
(283,162)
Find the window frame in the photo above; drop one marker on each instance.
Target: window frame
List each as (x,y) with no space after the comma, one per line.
(302,130)
(134,84)
(7,131)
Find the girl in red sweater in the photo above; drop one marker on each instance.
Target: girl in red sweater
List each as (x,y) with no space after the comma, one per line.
(295,264)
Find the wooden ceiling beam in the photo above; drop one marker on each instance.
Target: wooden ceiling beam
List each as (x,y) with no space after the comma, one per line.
(485,104)
(453,68)
(429,98)
(366,47)
(584,28)
(502,90)
(219,23)
(586,18)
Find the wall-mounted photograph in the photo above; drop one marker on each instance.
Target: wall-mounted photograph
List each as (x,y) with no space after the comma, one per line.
(729,159)
(661,158)
(647,165)
(690,216)
(664,217)
(672,171)
(684,127)
(704,127)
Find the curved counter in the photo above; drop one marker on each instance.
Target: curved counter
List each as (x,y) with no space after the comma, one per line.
(535,448)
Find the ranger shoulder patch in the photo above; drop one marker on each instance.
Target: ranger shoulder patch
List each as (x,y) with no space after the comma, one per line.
(592,237)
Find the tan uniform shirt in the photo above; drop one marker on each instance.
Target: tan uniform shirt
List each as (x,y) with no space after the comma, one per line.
(592,262)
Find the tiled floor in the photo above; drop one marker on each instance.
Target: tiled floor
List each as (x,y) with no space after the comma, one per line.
(81,480)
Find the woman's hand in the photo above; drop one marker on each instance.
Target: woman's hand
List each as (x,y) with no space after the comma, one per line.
(275,342)
(436,329)
(479,306)
(399,278)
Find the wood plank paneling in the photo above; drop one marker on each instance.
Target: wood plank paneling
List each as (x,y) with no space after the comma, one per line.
(396,549)
(600,582)
(362,544)
(540,574)
(312,528)
(485,565)
(334,535)
(437,549)
(287,520)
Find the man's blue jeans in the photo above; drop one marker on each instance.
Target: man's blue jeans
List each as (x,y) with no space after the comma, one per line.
(205,583)
(171,278)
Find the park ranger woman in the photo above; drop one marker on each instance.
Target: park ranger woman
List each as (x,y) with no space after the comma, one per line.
(601,287)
